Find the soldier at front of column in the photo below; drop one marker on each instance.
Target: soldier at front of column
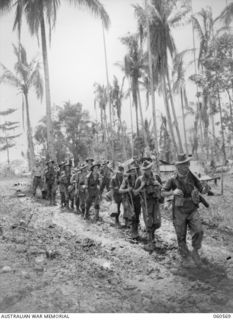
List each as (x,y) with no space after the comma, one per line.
(185,187)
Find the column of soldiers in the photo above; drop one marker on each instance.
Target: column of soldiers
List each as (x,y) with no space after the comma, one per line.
(135,189)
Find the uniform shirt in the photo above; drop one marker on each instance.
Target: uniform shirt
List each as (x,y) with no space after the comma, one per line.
(92,182)
(186,184)
(37,171)
(126,183)
(115,184)
(50,175)
(152,187)
(106,172)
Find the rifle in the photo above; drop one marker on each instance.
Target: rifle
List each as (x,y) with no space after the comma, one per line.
(203,201)
(201,198)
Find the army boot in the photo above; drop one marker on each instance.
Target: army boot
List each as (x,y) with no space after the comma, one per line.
(83,211)
(96,218)
(134,231)
(150,245)
(117,222)
(196,257)
(86,214)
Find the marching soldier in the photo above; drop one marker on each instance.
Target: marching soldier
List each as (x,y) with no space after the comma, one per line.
(89,162)
(131,202)
(62,188)
(149,189)
(69,188)
(73,182)
(106,177)
(51,182)
(185,188)
(81,189)
(37,176)
(92,184)
(115,184)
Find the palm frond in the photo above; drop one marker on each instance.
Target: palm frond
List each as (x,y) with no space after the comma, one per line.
(18,17)
(9,78)
(226,15)
(176,19)
(36,81)
(96,8)
(7,112)
(5,5)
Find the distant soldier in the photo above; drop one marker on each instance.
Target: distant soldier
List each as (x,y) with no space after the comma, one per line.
(131,202)
(150,192)
(89,162)
(115,184)
(92,183)
(51,182)
(37,176)
(185,188)
(62,188)
(69,187)
(106,173)
(73,182)
(80,189)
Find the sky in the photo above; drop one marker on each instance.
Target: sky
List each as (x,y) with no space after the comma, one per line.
(76,56)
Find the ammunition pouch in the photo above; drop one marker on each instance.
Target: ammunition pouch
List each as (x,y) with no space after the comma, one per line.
(179,201)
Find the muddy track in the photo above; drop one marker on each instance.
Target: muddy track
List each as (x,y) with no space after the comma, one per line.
(61,263)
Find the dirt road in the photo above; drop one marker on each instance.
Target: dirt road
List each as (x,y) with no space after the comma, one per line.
(53,261)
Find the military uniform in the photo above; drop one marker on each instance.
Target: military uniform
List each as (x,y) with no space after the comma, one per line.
(185,212)
(150,202)
(115,184)
(106,178)
(69,187)
(81,191)
(92,183)
(131,204)
(37,178)
(51,183)
(62,187)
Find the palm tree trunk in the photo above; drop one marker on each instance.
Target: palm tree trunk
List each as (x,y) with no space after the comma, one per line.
(29,134)
(141,116)
(123,140)
(222,130)
(174,112)
(135,102)
(152,91)
(131,120)
(231,118)
(213,138)
(206,123)
(183,118)
(165,97)
(106,133)
(50,140)
(7,148)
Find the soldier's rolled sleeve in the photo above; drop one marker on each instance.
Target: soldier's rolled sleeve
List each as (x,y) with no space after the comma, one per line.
(137,184)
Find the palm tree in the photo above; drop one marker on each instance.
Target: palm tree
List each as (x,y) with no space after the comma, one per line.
(133,67)
(162,18)
(117,95)
(101,99)
(203,24)
(37,12)
(26,76)
(179,87)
